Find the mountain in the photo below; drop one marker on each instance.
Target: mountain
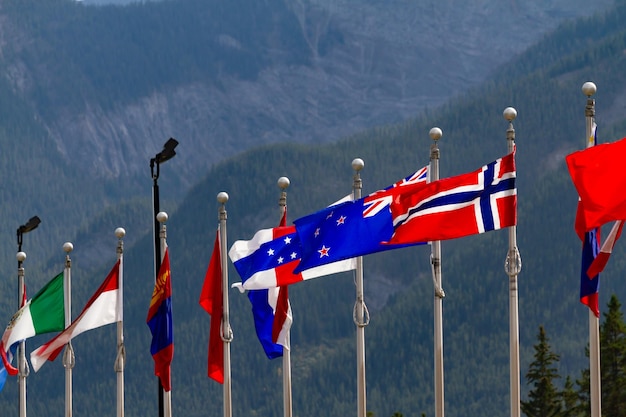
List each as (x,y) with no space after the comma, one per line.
(110,84)
(543,84)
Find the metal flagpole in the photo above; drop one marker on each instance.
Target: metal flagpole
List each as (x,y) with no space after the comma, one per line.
(226,333)
(166,395)
(360,314)
(512,267)
(120,360)
(32,224)
(283,183)
(435,259)
(68,355)
(22,364)
(589,89)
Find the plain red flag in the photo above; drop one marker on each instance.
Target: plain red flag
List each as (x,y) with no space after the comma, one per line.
(599,177)
(211,300)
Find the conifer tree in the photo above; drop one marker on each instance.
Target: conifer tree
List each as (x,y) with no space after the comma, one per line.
(613,360)
(544,400)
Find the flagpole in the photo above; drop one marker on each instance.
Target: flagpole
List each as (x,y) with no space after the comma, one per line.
(23,368)
(361,314)
(226,333)
(165,395)
(68,355)
(512,267)
(435,134)
(589,89)
(283,183)
(120,360)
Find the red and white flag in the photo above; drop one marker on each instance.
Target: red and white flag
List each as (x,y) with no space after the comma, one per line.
(100,310)
(603,256)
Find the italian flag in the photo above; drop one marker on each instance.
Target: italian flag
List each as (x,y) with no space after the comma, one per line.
(100,310)
(44,313)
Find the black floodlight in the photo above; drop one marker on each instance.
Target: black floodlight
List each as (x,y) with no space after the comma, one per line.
(31,224)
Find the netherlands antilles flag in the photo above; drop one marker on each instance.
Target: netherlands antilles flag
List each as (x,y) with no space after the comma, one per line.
(160,322)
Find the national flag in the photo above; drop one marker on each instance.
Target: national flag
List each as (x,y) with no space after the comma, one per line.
(268,260)
(211,300)
(589,287)
(599,177)
(352,228)
(3,371)
(589,283)
(160,322)
(101,309)
(450,208)
(44,313)
(603,256)
(272,315)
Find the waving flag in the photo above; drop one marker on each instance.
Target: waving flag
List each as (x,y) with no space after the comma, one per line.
(272,315)
(352,228)
(211,300)
(603,256)
(268,260)
(101,309)
(598,175)
(160,322)
(44,313)
(450,208)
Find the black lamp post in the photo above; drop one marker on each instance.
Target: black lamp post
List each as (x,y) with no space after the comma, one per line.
(31,224)
(165,155)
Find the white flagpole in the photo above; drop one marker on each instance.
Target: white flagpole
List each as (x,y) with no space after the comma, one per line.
(22,364)
(283,183)
(360,314)
(589,89)
(435,134)
(68,355)
(227,333)
(162,218)
(23,368)
(120,360)
(512,267)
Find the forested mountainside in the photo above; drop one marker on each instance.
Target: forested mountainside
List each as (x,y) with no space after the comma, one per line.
(398,284)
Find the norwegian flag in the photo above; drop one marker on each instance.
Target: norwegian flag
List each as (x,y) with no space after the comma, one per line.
(377,201)
(467,204)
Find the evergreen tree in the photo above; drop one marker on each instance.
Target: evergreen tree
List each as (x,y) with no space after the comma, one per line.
(613,360)
(544,400)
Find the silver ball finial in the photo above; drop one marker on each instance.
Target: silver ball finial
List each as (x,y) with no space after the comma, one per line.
(162,217)
(509,113)
(589,89)
(357,164)
(435,133)
(120,232)
(283,183)
(222,197)
(21,256)
(68,247)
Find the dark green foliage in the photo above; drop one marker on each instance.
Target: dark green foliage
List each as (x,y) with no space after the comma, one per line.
(543,399)
(544,88)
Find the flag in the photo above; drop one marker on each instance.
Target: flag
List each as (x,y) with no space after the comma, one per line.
(44,313)
(589,283)
(450,208)
(272,315)
(160,322)
(101,309)
(3,371)
(603,256)
(589,287)
(268,260)
(211,300)
(598,176)
(352,228)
